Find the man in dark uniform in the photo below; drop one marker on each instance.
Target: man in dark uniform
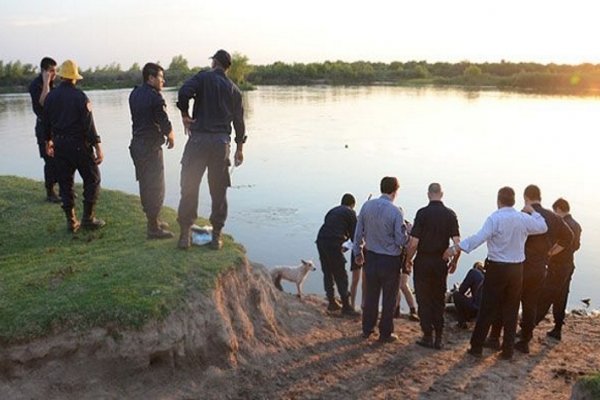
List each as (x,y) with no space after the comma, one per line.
(468,297)
(433,228)
(72,140)
(339,226)
(560,270)
(217,104)
(39,89)
(150,126)
(537,249)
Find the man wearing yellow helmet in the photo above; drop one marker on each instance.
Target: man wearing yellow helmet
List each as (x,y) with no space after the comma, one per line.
(72,140)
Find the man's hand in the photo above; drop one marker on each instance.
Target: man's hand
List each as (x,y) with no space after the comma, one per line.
(359,259)
(528,209)
(170,140)
(99,154)
(451,252)
(187,124)
(452,266)
(238,158)
(50,148)
(408,267)
(48,76)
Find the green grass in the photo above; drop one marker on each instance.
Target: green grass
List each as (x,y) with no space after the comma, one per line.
(592,384)
(52,280)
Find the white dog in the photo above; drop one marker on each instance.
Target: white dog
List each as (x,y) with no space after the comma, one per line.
(293,274)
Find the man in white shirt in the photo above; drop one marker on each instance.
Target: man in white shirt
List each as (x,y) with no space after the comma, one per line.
(505,232)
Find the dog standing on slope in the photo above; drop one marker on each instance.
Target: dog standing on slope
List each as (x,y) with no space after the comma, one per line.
(293,274)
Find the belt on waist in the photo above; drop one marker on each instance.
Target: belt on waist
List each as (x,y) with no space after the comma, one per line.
(488,261)
(67,137)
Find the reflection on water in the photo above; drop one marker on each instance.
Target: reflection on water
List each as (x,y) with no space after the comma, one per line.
(309,145)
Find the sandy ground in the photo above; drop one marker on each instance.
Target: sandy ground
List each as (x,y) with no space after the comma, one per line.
(316,355)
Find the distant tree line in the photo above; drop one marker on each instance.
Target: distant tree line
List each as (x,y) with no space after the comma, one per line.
(551,78)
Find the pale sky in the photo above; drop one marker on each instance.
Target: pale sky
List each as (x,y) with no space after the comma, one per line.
(126,31)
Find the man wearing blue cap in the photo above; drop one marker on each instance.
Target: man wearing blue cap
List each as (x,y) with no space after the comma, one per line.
(217,105)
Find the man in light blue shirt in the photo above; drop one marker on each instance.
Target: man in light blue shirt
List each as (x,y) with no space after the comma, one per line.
(380,235)
(505,232)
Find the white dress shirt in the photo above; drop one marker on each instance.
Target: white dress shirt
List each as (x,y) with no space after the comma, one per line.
(505,232)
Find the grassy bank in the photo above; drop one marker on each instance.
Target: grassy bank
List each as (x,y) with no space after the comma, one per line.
(592,385)
(52,280)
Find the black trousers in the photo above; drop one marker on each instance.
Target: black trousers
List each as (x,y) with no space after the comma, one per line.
(431,273)
(382,276)
(333,264)
(70,155)
(501,294)
(197,158)
(534,274)
(50,174)
(465,307)
(150,173)
(555,293)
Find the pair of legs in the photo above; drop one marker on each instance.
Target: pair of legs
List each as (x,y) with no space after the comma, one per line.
(203,153)
(405,290)
(333,264)
(357,272)
(70,155)
(431,272)
(500,297)
(534,274)
(466,309)
(150,173)
(556,294)
(50,173)
(382,276)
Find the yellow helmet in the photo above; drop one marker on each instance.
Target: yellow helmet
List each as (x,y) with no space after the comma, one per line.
(69,70)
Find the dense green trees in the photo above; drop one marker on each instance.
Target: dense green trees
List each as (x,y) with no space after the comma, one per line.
(584,78)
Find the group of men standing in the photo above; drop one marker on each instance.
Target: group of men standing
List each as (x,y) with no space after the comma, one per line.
(68,142)
(529,262)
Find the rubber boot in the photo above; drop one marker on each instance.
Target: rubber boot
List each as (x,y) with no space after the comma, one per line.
(89,220)
(155,231)
(51,196)
(72,222)
(333,304)
(216,243)
(185,237)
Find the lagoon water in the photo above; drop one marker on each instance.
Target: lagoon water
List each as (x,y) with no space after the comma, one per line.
(309,145)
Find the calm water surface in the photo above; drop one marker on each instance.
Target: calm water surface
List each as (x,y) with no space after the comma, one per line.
(309,145)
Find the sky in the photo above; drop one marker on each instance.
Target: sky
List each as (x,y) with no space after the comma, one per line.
(126,31)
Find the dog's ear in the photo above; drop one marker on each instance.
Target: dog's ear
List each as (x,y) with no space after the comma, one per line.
(304,262)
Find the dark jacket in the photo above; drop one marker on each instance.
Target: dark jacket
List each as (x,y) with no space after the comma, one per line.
(538,246)
(565,258)
(149,114)
(339,225)
(68,115)
(217,104)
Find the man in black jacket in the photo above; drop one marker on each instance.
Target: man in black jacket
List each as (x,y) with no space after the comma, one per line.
(537,248)
(338,227)
(217,104)
(560,270)
(39,89)
(150,128)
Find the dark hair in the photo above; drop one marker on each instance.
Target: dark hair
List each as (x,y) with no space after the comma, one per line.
(348,200)
(532,192)
(562,205)
(506,196)
(151,69)
(434,188)
(46,63)
(389,184)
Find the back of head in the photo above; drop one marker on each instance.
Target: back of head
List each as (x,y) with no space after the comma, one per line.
(151,69)
(223,58)
(506,196)
(389,184)
(348,200)
(434,191)
(561,205)
(533,193)
(46,63)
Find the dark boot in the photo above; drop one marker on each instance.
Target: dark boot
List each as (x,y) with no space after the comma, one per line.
(216,243)
(51,196)
(333,304)
(72,222)
(438,342)
(426,341)
(155,231)
(555,333)
(89,220)
(347,308)
(185,237)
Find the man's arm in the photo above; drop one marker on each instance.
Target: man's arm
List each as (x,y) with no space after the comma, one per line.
(411,249)
(187,92)
(46,79)
(564,236)
(240,128)
(161,116)
(454,262)
(358,239)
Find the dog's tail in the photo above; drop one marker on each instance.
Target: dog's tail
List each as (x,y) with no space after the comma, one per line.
(276,276)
